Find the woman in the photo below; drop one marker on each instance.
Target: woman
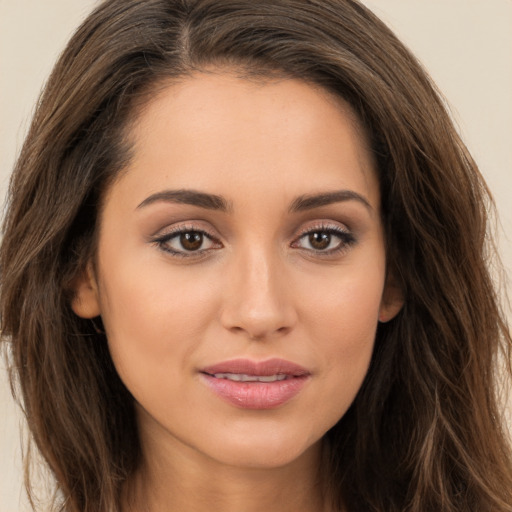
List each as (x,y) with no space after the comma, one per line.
(243,268)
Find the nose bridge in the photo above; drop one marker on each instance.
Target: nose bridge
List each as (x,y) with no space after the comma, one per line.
(258,301)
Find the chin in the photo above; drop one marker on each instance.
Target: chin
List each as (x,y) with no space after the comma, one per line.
(264,450)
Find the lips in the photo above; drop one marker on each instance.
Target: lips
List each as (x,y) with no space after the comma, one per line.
(264,368)
(256,384)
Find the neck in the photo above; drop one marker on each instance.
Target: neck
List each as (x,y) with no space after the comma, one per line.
(180,479)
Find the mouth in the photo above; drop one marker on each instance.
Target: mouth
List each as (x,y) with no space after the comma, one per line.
(256,384)
(279,368)
(243,377)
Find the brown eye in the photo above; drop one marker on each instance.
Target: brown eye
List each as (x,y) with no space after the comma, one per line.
(191,240)
(325,241)
(319,240)
(187,242)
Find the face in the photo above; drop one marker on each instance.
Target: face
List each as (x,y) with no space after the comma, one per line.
(241,270)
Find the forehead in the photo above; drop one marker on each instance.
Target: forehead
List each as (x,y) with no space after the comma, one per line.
(214,129)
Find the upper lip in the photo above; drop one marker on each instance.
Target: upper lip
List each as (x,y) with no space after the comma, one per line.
(268,367)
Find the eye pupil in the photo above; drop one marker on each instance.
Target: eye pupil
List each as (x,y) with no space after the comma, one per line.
(191,240)
(320,240)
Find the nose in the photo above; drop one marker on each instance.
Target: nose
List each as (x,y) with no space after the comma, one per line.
(258,299)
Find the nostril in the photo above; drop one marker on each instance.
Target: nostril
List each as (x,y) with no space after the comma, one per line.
(257,306)
(261,333)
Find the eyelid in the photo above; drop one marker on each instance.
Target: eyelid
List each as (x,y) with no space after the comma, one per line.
(180,227)
(167,234)
(323,225)
(345,235)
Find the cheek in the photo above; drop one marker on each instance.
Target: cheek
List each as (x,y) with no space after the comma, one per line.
(348,307)
(153,318)
(343,324)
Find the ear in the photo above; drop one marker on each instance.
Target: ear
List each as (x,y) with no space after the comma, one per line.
(392,299)
(85,302)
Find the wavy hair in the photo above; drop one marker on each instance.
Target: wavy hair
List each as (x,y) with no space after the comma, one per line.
(425,431)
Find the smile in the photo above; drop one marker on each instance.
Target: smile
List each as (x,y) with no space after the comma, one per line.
(243,377)
(250,384)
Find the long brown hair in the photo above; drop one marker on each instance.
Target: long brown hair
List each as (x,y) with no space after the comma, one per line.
(425,432)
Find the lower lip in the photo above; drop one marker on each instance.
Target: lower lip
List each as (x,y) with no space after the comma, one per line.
(256,395)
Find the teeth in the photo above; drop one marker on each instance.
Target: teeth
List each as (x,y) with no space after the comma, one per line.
(242,377)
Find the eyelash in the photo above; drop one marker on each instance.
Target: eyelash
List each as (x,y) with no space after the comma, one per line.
(163,241)
(346,239)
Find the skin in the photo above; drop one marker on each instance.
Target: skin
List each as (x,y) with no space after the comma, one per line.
(256,288)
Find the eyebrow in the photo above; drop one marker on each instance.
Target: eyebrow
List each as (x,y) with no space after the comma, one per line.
(192,197)
(309,202)
(215,202)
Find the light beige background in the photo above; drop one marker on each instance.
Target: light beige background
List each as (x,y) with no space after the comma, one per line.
(465,44)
